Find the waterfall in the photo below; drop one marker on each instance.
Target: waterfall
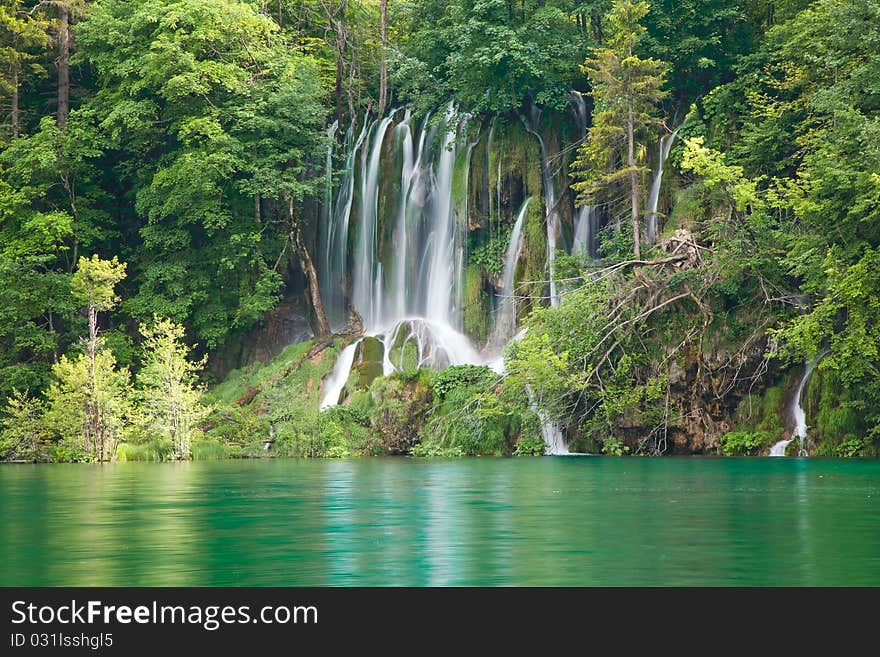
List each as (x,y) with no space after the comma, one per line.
(553,436)
(505,318)
(533,125)
(407,281)
(799,416)
(586,218)
(334,260)
(339,377)
(403,134)
(364,275)
(585,229)
(666,143)
(332,300)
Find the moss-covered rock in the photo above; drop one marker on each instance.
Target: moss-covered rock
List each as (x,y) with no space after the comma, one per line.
(367,366)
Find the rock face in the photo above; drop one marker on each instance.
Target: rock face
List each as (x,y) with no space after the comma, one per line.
(284,325)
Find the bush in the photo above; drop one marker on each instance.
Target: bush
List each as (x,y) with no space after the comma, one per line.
(745,443)
(530,446)
(855,447)
(614,447)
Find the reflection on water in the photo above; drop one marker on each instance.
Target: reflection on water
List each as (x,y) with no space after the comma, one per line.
(550,521)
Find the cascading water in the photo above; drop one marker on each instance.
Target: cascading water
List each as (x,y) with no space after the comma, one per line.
(666,143)
(505,318)
(799,416)
(585,231)
(400,244)
(414,300)
(364,279)
(586,226)
(554,227)
(553,436)
(336,381)
(334,260)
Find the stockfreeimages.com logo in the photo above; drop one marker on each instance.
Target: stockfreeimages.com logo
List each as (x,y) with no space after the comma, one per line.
(210,617)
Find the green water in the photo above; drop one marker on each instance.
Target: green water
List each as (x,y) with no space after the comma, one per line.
(532,521)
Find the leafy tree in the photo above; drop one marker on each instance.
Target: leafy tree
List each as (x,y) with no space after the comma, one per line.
(23,32)
(626,89)
(102,388)
(22,430)
(170,397)
(88,405)
(183,85)
(490,55)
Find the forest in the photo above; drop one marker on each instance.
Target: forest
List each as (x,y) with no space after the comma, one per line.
(331,228)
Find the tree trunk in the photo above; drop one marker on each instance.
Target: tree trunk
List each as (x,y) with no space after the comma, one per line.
(93,416)
(308,267)
(383,70)
(633,182)
(63,64)
(16,122)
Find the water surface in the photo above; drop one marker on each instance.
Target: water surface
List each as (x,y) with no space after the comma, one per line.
(530,521)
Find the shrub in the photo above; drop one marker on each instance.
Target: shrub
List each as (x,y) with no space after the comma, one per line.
(530,446)
(742,443)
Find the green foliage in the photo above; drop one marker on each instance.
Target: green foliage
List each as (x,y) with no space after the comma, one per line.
(490,256)
(169,396)
(614,447)
(530,446)
(218,110)
(626,90)
(23,434)
(152,450)
(746,443)
(94,283)
(459,376)
(488,56)
(88,404)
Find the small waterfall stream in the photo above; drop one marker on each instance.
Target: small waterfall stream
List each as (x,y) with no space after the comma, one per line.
(666,143)
(586,226)
(799,416)
(505,319)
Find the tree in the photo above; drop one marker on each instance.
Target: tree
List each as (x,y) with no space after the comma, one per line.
(383,70)
(22,430)
(88,405)
(170,397)
(626,89)
(22,34)
(208,104)
(94,285)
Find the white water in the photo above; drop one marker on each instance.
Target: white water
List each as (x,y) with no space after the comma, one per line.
(799,416)
(334,261)
(553,437)
(339,377)
(364,275)
(666,142)
(533,125)
(416,297)
(779,448)
(406,266)
(586,218)
(584,231)
(505,318)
